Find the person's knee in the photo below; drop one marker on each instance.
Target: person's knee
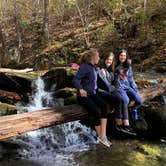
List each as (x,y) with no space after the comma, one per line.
(139,101)
(125,100)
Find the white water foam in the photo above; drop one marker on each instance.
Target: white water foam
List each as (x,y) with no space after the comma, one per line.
(55,145)
(41,98)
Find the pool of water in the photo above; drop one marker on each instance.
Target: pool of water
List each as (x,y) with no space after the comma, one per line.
(72,144)
(131,152)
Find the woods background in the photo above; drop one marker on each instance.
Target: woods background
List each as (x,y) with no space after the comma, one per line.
(45,33)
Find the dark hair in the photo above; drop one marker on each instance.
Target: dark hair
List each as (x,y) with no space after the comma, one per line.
(87,55)
(112,67)
(127,62)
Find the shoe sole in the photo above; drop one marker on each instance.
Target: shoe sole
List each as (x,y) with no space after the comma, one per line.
(128,132)
(118,129)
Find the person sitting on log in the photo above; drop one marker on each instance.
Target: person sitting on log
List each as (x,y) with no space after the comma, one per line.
(86,83)
(125,82)
(107,91)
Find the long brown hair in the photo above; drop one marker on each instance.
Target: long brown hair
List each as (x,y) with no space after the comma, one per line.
(112,67)
(87,55)
(127,62)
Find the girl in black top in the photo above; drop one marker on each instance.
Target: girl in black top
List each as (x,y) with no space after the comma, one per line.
(86,83)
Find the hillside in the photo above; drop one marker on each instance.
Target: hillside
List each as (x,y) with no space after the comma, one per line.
(74,26)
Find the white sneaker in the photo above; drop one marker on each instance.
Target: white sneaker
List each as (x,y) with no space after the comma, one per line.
(104,141)
(110,143)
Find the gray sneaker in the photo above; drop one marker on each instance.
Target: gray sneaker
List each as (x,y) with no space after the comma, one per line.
(104,141)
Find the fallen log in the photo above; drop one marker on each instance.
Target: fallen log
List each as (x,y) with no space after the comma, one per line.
(150,93)
(14,125)
(27,74)
(7,70)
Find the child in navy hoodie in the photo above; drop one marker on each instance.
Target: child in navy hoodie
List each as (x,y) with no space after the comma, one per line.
(86,83)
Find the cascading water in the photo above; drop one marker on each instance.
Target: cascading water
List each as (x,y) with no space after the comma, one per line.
(41,98)
(55,145)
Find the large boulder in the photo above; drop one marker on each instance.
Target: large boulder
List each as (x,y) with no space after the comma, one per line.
(60,77)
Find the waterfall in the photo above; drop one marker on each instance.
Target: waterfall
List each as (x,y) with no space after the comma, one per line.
(55,144)
(41,99)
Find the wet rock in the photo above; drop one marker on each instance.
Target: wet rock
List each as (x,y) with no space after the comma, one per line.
(62,77)
(9,150)
(8,109)
(68,94)
(140,126)
(156,124)
(160,68)
(14,83)
(155,117)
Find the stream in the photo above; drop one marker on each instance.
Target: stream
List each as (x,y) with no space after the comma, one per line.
(73,144)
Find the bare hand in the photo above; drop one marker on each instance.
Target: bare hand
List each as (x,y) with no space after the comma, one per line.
(83,93)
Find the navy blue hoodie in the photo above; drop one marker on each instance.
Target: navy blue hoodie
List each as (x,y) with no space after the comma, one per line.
(86,78)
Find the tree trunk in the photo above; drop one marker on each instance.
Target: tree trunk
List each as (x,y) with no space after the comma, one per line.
(6,70)
(14,125)
(3,48)
(35,8)
(145,5)
(46,20)
(85,27)
(19,29)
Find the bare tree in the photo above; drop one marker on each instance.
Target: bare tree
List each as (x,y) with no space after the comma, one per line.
(3,47)
(17,19)
(145,5)
(84,24)
(35,8)
(46,20)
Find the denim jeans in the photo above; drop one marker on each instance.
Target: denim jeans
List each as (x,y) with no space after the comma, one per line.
(131,95)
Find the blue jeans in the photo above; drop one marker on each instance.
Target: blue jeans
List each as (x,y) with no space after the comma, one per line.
(131,95)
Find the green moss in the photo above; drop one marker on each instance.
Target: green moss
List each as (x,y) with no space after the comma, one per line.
(152,151)
(7,109)
(70,100)
(29,76)
(137,158)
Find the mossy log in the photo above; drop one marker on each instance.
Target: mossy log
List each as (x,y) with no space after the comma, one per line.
(28,74)
(8,109)
(14,125)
